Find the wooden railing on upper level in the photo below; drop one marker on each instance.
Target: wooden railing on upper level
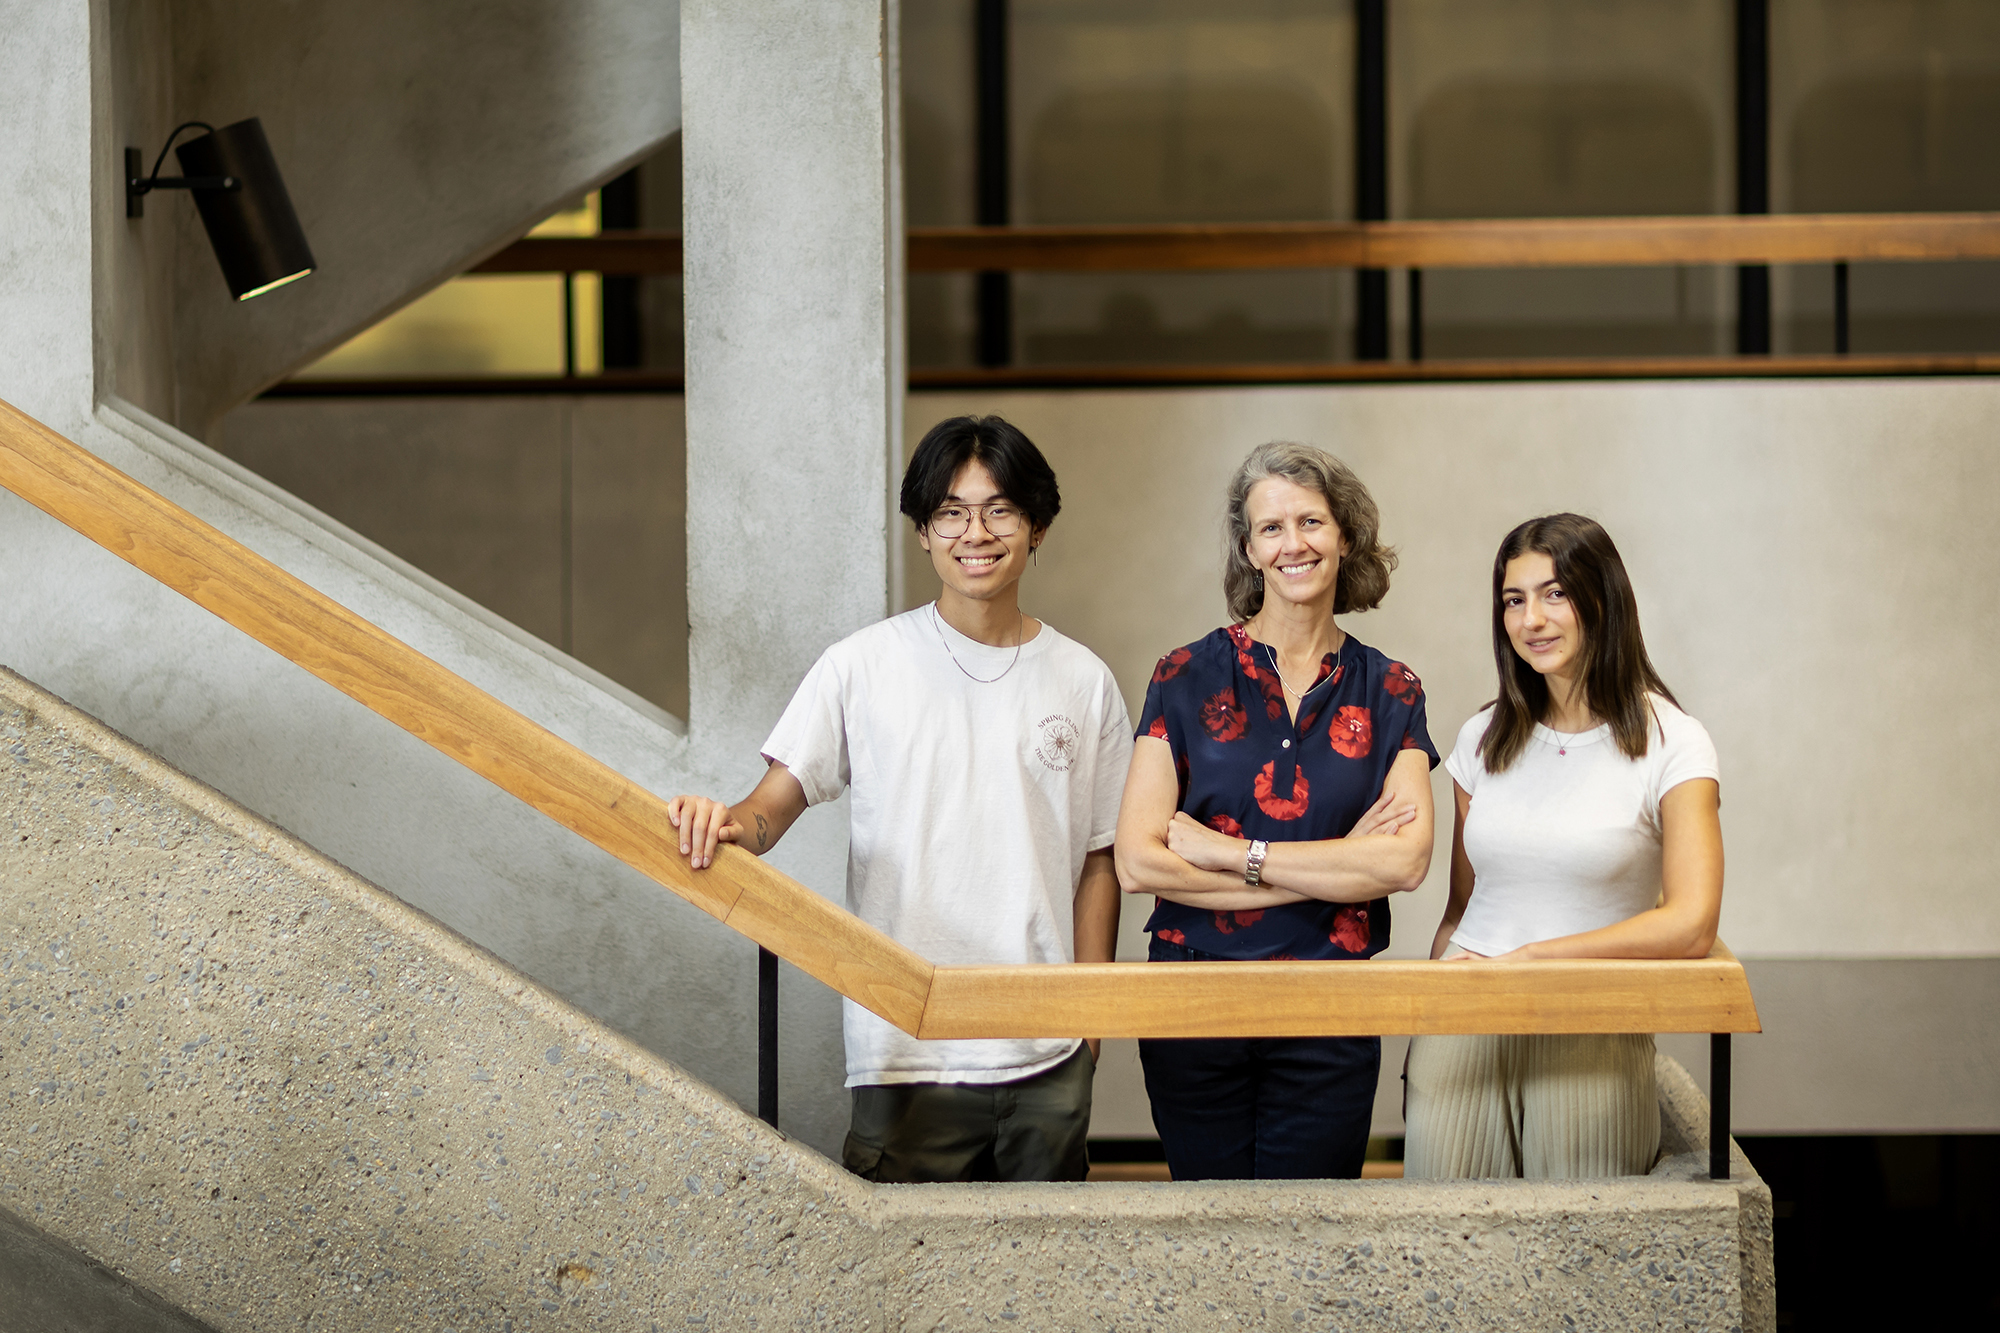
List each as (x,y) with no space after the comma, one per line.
(583,794)
(1479,243)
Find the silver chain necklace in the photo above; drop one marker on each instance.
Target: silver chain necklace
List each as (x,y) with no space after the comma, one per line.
(1273,655)
(1020,630)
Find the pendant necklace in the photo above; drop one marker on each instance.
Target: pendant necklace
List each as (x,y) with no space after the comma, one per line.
(1019,630)
(1272,654)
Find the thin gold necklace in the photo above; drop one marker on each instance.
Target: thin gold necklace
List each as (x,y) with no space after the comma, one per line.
(1272,653)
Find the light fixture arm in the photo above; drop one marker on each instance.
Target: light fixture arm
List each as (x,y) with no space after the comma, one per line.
(137,186)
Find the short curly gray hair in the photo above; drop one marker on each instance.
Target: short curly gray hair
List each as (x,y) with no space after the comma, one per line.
(1364,570)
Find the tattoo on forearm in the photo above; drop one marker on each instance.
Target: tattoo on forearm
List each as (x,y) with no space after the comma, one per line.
(763,832)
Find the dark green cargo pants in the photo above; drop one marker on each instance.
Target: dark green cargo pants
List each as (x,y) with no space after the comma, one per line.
(1031,1129)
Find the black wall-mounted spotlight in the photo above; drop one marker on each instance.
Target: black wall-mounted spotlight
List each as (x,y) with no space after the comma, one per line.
(251,225)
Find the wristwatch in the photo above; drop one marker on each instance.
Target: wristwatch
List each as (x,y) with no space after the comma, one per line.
(1253,865)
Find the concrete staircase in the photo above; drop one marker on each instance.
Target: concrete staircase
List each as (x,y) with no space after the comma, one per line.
(242,1088)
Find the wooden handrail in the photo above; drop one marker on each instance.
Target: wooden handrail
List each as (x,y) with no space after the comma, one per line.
(1341,999)
(583,794)
(442,709)
(1477,243)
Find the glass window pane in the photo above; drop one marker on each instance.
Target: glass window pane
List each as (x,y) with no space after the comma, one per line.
(1565,108)
(1887,108)
(1150,111)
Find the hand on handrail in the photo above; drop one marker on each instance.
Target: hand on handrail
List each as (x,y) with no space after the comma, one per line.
(754,823)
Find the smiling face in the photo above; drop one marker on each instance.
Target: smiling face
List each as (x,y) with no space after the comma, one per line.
(977,565)
(1541,620)
(1294,541)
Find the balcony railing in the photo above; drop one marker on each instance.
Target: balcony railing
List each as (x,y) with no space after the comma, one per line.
(1416,246)
(1480,243)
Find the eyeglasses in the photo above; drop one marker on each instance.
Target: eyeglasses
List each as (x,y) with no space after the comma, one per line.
(999,520)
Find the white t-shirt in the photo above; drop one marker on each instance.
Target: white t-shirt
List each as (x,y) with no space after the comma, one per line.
(974,805)
(1568,838)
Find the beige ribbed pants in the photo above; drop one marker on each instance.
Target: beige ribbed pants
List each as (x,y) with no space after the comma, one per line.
(1543,1107)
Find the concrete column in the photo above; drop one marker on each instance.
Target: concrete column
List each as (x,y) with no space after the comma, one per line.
(45,214)
(794,346)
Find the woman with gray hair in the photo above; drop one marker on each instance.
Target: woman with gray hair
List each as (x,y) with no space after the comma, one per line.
(1279,792)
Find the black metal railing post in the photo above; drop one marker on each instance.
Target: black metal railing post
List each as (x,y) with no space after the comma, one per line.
(1840,343)
(1416,314)
(1718,1106)
(623,332)
(1753,167)
(995,291)
(767,1036)
(1371,170)
(569,325)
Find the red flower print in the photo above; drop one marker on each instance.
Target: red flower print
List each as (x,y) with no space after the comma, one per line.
(1246,657)
(1284,958)
(1225,825)
(1222,718)
(1403,683)
(1274,806)
(1231,922)
(1352,731)
(1172,937)
(1350,928)
(1159,729)
(1170,665)
(1409,741)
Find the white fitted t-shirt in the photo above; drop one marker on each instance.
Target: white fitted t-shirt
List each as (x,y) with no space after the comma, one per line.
(973,808)
(1567,839)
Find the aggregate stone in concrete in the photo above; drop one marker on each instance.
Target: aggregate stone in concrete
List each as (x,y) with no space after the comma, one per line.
(278,1098)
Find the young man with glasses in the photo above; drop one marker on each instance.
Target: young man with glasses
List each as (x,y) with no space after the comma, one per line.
(987,755)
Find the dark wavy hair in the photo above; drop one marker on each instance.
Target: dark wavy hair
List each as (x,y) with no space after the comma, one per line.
(1364,571)
(1018,468)
(1615,671)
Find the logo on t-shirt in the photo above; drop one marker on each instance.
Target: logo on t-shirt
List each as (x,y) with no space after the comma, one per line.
(1059,742)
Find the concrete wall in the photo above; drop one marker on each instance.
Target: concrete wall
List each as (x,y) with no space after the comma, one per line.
(221,706)
(565,516)
(413,140)
(279,1098)
(1801,551)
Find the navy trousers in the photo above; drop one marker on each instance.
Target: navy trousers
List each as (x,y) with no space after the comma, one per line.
(1260,1108)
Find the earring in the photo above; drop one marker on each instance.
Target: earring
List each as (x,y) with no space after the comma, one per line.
(1033,551)
(1260,580)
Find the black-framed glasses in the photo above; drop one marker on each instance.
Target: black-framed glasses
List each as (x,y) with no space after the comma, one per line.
(1000,519)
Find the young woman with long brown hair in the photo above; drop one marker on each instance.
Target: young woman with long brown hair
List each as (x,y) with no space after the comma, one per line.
(1588,827)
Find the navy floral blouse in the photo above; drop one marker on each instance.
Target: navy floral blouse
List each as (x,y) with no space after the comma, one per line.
(1247,770)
